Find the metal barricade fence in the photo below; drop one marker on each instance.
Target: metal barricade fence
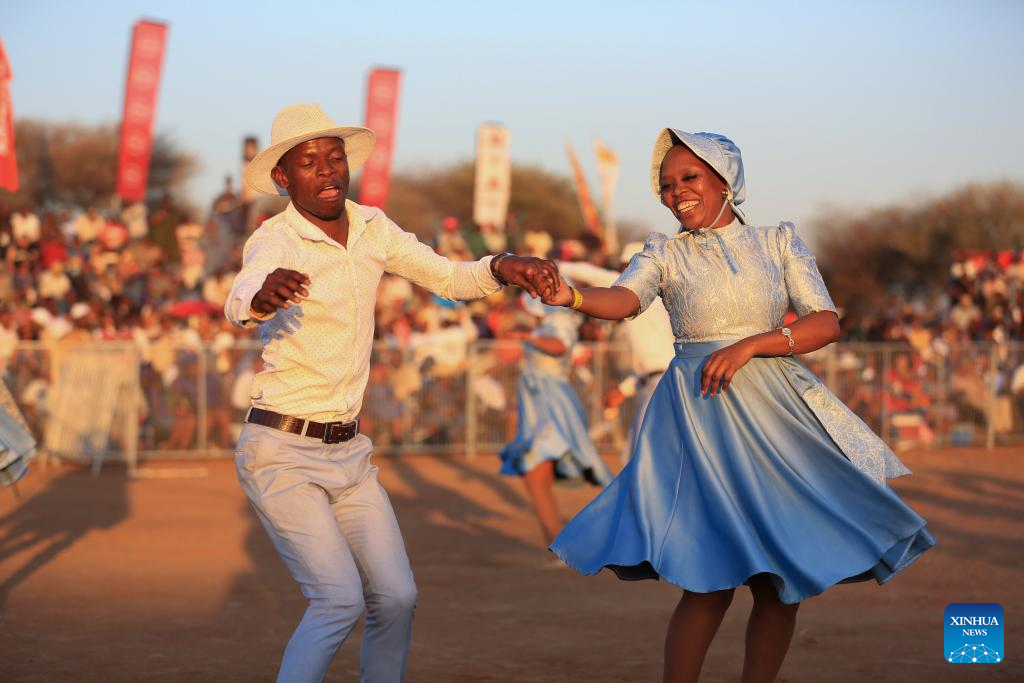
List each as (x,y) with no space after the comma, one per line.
(113,400)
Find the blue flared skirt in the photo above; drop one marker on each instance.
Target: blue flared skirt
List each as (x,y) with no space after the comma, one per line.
(754,480)
(552,426)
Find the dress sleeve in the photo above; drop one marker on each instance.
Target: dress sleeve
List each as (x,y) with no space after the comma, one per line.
(807,291)
(645,274)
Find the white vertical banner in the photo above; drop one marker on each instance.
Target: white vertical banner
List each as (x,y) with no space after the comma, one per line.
(608,172)
(493,183)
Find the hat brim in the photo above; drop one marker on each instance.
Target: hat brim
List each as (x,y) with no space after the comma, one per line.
(664,143)
(358,146)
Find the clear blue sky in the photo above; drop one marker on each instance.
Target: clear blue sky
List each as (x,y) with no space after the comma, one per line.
(845,104)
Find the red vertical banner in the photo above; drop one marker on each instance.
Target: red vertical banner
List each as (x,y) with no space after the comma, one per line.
(381,118)
(8,158)
(143,83)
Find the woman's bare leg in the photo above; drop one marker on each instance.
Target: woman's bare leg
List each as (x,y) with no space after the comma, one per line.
(690,631)
(769,632)
(539,482)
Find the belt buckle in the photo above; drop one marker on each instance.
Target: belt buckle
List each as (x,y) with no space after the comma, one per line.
(336,432)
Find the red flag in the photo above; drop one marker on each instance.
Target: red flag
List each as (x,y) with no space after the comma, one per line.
(8,158)
(381,118)
(143,83)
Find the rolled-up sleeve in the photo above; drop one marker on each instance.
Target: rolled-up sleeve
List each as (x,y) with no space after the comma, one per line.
(417,262)
(259,258)
(807,291)
(645,274)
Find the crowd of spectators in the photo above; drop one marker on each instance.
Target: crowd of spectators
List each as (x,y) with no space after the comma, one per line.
(984,301)
(957,374)
(158,277)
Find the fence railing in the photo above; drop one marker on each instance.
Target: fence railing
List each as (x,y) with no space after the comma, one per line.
(115,400)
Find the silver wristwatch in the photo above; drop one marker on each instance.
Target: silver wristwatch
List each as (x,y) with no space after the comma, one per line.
(788,334)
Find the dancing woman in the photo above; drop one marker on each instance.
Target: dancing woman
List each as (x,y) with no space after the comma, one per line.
(551,440)
(747,470)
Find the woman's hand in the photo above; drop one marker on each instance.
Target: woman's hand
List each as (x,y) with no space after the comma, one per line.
(560,296)
(723,364)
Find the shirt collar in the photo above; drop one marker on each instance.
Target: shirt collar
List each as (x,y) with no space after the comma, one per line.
(306,230)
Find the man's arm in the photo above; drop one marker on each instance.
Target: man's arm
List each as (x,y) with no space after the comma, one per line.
(417,262)
(261,287)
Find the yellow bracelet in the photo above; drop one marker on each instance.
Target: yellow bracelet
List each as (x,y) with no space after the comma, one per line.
(577,299)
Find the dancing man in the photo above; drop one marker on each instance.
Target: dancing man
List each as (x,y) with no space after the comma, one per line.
(308,282)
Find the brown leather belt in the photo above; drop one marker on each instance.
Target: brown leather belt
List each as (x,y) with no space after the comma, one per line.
(328,432)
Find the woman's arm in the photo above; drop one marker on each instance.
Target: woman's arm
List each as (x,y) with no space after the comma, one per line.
(810,333)
(548,345)
(609,303)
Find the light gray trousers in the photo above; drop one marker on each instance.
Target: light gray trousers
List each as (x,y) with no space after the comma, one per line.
(332,524)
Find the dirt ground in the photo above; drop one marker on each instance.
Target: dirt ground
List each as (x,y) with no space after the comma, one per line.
(168,577)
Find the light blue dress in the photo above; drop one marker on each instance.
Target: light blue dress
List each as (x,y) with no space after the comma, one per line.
(775,475)
(552,424)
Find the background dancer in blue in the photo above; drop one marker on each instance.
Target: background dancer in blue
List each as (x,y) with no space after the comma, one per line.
(551,438)
(17,445)
(648,336)
(747,470)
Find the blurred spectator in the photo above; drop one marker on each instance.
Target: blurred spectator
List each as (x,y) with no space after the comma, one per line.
(52,245)
(450,242)
(25,225)
(907,404)
(114,235)
(965,315)
(54,283)
(189,235)
(88,226)
(133,215)
(163,227)
(217,287)
(538,243)
(494,239)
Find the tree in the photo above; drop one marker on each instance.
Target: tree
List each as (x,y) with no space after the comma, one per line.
(906,251)
(540,200)
(64,165)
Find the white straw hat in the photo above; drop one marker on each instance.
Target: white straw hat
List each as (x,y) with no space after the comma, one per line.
(297,124)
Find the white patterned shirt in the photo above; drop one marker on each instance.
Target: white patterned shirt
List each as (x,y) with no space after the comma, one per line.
(316,354)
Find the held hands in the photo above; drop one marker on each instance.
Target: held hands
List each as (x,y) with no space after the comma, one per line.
(281,289)
(537,276)
(722,365)
(561,296)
